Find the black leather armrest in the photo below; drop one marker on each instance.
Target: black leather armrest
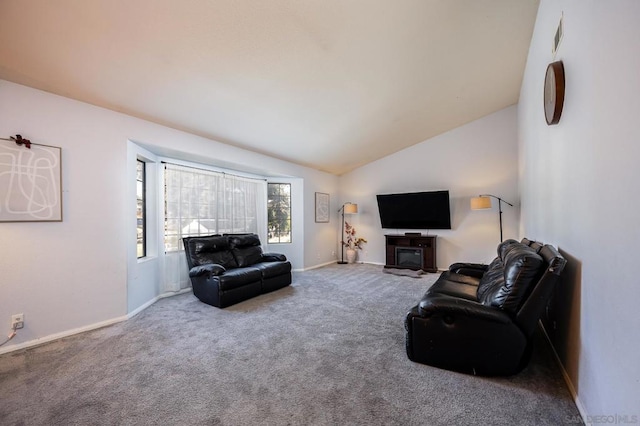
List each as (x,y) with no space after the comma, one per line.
(209,268)
(470,272)
(453,306)
(273,257)
(468,265)
(470,269)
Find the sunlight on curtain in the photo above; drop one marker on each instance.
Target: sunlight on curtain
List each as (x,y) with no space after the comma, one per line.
(204,202)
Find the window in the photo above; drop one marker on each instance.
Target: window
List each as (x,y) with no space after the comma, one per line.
(141,209)
(204,202)
(279,212)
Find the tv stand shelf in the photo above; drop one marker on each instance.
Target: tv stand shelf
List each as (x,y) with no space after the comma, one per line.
(424,244)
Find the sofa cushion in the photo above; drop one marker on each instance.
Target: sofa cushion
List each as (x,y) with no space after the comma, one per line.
(236,278)
(213,249)
(246,249)
(452,284)
(522,269)
(273,269)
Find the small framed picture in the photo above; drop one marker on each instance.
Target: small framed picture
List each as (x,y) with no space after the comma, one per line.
(322,207)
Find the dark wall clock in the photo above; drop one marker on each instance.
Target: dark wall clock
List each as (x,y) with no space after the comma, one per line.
(554,92)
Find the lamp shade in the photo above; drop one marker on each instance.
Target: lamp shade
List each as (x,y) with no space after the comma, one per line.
(350,208)
(480,203)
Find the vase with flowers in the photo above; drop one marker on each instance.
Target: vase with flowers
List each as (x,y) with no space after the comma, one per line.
(352,243)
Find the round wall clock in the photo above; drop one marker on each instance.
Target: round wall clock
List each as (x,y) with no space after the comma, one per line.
(554,92)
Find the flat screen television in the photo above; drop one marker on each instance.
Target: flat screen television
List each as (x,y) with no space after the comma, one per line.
(415,210)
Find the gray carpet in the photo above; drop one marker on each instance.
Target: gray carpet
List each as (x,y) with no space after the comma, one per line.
(328,350)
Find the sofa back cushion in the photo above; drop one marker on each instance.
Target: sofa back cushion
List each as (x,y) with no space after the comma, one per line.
(521,270)
(536,246)
(492,278)
(504,246)
(204,250)
(246,249)
(494,275)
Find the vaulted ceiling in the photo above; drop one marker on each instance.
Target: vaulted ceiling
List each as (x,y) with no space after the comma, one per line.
(330,84)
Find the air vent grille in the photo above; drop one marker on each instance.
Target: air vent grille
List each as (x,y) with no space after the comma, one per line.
(558,37)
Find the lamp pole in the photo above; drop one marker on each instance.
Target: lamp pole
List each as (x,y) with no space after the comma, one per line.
(500,201)
(342,261)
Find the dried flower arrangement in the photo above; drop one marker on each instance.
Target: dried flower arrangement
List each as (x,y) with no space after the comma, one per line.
(352,242)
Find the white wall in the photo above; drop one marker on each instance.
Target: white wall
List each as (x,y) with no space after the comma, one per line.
(72,275)
(320,254)
(477,158)
(580,191)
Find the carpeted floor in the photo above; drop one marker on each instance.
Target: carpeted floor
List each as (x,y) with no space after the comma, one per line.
(328,350)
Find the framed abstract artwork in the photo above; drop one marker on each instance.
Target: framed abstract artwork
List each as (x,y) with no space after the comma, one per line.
(30,183)
(322,207)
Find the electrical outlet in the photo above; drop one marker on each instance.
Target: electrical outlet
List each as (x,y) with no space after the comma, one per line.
(17,321)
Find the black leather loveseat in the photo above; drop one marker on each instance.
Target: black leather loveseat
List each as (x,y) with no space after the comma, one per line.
(227,269)
(480,319)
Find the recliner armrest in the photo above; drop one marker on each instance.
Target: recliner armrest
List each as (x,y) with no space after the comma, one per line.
(468,265)
(471,269)
(470,272)
(448,306)
(209,268)
(273,257)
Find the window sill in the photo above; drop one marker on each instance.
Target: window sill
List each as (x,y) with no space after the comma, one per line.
(146,259)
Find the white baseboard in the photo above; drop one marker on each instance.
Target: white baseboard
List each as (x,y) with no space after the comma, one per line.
(67,333)
(314,266)
(334,261)
(142,307)
(565,375)
(174,293)
(56,336)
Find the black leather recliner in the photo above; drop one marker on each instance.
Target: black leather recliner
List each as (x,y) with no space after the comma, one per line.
(480,319)
(227,269)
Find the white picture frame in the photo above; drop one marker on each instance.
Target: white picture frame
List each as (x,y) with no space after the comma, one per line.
(322,207)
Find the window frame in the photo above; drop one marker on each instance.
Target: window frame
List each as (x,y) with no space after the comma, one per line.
(143,213)
(290,215)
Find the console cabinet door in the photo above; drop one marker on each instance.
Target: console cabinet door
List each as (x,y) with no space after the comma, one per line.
(426,243)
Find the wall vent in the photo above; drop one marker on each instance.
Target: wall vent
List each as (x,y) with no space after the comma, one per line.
(558,37)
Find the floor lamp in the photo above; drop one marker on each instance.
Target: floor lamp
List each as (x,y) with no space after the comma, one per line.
(347,208)
(482,202)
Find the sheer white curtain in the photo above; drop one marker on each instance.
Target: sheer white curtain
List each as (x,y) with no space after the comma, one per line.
(205,202)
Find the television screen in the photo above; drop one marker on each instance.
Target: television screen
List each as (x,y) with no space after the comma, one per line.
(415,210)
